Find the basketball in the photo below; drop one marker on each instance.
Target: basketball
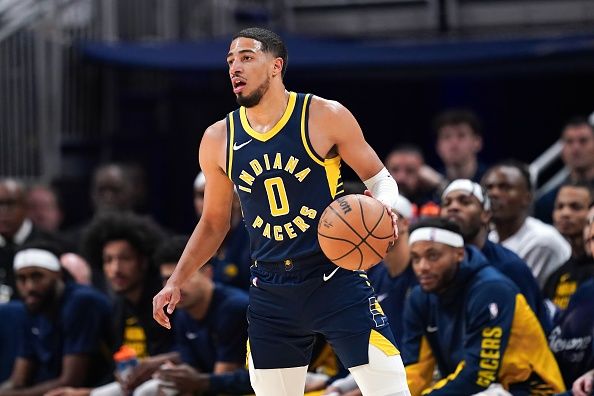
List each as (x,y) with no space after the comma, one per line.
(355,232)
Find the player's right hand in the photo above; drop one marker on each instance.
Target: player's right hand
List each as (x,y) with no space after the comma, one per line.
(168,296)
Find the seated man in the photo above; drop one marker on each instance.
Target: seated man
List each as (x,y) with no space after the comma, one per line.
(210,331)
(66,330)
(570,216)
(572,339)
(210,334)
(540,245)
(471,321)
(464,203)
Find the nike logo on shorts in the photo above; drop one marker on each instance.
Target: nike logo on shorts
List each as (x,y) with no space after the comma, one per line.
(327,277)
(238,146)
(431,329)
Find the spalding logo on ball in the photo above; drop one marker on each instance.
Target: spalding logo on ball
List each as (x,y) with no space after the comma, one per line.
(355,232)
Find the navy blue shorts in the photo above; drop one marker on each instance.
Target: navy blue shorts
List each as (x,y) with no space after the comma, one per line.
(291,301)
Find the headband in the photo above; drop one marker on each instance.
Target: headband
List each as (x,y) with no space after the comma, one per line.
(433,234)
(470,187)
(36,258)
(403,207)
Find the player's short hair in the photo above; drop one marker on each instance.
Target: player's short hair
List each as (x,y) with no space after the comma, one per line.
(513,163)
(580,184)
(457,117)
(577,121)
(170,250)
(271,43)
(436,222)
(406,148)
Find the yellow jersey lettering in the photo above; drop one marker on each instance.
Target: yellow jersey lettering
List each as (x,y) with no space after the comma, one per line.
(489,364)
(485,378)
(256,167)
(266,231)
(257,222)
(300,223)
(490,353)
(266,162)
(290,230)
(278,207)
(247,190)
(278,163)
(489,356)
(307,212)
(278,233)
(303,174)
(247,178)
(494,332)
(490,343)
(291,164)
(564,290)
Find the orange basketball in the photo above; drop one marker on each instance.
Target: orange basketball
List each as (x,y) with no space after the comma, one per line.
(355,232)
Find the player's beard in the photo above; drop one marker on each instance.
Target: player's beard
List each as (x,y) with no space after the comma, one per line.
(46,300)
(254,98)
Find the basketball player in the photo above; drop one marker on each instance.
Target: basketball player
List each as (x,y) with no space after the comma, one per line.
(283,151)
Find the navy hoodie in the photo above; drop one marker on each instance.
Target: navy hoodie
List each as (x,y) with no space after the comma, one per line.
(480,330)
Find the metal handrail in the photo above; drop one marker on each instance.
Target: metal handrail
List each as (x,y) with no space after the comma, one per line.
(31,12)
(546,159)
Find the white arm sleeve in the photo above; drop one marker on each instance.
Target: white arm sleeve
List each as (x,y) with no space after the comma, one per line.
(383,187)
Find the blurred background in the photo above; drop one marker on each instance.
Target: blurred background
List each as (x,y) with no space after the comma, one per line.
(85,82)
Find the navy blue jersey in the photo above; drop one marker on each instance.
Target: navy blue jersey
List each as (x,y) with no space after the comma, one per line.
(516,269)
(392,293)
(572,340)
(82,327)
(220,336)
(283,184)
(133,323)
(566,279)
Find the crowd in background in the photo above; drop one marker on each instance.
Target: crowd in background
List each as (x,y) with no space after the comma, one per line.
(71,298)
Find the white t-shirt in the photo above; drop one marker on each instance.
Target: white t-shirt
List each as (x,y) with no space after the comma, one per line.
(540,245)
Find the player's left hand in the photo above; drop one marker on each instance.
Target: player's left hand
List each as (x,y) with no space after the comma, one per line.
(183,378)
(392,214)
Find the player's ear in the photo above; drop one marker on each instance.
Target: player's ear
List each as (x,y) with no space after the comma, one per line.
(277,68)
(459,253)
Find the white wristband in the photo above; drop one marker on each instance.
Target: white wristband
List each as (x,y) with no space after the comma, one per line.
(383,187)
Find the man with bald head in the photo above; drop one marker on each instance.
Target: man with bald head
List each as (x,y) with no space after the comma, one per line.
(538,244)
(113,188)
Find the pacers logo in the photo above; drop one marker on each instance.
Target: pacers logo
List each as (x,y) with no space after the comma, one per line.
(377,312)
